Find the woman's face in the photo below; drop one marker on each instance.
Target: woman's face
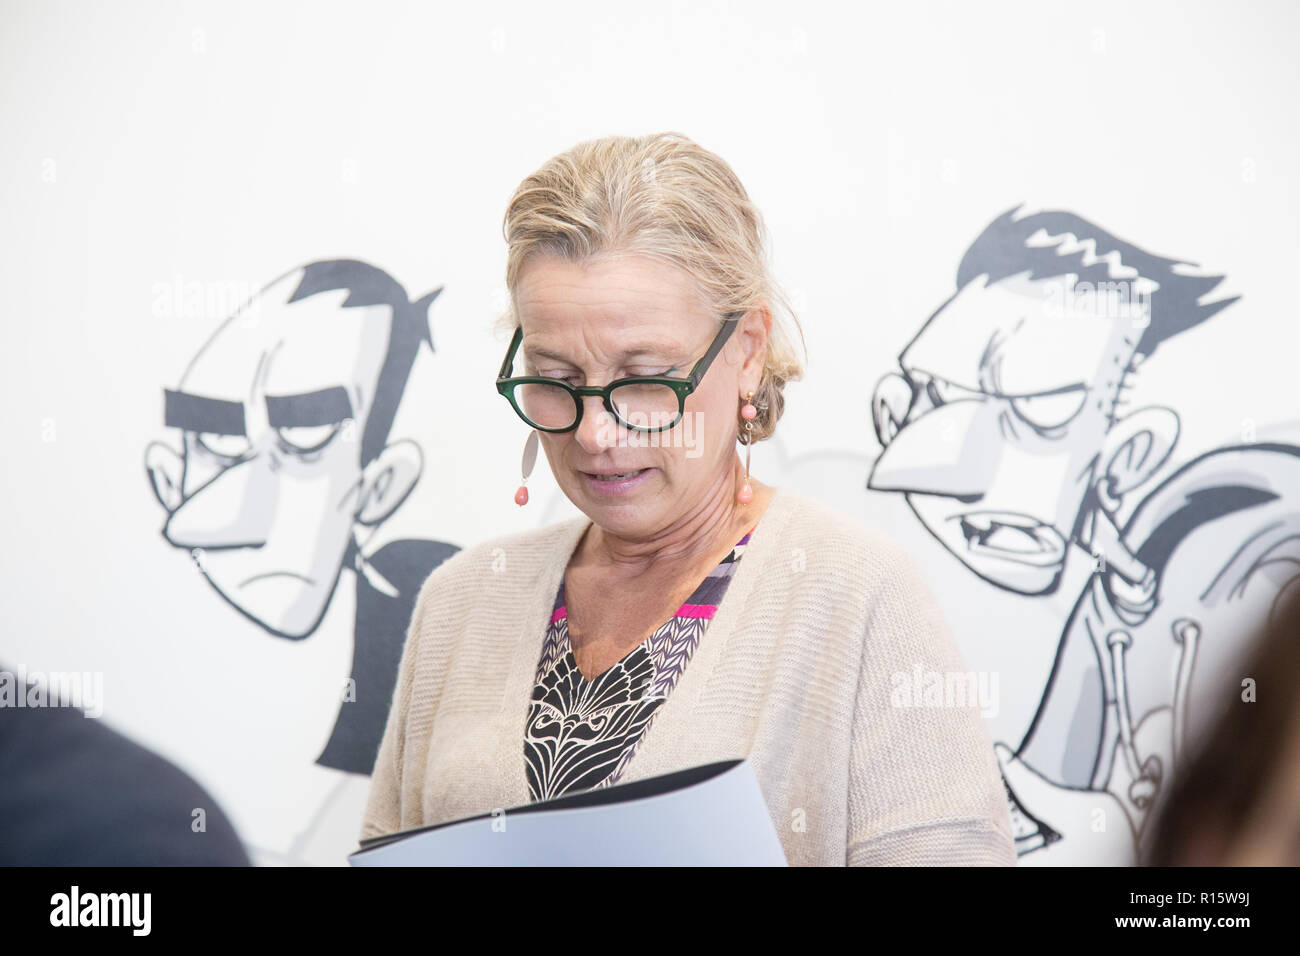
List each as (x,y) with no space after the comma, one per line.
(622,316)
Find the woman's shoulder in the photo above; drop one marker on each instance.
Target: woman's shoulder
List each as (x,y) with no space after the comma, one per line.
(843,559)
(815,525)
(862,571)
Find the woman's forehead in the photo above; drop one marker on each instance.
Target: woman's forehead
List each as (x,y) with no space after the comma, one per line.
(620,289)
(612,310)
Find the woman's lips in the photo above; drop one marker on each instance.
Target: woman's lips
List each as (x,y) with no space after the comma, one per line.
(614,487)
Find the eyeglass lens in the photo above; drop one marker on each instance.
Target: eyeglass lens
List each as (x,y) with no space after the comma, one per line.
(642,405)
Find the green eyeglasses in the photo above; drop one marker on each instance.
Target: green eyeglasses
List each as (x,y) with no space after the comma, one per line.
(642,403)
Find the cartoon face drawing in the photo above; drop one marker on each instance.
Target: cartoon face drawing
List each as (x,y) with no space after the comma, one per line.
(1005,428)
(272,482)
(285,462)
(1007,433)
(1008,399)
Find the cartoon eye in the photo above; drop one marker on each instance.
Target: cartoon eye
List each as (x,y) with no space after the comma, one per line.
(942,392)
(890,403)
(304,439)
(1051,410)
(934,390)
(223,446)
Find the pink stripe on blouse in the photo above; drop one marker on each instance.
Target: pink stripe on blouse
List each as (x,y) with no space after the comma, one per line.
(686,610)
(696,610)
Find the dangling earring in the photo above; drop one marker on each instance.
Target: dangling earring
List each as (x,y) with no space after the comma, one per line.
(747,412)
(530,459)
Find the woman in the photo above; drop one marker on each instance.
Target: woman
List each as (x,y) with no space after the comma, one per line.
(693,613)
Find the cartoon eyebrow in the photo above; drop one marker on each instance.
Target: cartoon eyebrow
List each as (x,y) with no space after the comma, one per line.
(920,378)
(218,416)
(329,406)
(195,413)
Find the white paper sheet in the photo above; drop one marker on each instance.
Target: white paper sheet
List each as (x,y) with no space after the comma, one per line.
(720,819)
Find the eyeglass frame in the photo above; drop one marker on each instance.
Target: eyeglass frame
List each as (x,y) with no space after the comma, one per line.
(681,386)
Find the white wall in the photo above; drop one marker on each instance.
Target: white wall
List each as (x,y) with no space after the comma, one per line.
(153,145)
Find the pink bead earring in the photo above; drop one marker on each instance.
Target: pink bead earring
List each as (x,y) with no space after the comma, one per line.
(748,412)
(530,459)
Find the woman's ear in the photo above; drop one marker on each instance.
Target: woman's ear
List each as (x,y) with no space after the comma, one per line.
(755,327)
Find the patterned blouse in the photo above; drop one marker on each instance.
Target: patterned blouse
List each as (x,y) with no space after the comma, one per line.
(581,733)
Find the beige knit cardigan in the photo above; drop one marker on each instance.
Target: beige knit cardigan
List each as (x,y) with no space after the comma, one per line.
(820,631)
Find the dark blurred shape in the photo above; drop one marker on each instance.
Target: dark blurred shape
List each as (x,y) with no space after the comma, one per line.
(75,792)
(1236,801)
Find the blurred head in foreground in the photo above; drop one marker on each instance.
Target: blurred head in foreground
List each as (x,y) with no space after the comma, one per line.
(1236,802)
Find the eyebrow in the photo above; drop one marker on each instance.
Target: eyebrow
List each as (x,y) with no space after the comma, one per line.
(196,413)
(648,349)
(329,406)
(218,416)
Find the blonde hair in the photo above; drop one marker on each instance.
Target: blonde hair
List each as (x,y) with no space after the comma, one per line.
(664,197)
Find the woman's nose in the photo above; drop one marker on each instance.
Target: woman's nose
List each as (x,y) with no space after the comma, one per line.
(598,429)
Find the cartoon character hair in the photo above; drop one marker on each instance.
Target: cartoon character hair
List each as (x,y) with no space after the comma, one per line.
(367,285)
(1009,246)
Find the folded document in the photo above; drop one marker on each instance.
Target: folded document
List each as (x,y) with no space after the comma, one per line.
(712,815)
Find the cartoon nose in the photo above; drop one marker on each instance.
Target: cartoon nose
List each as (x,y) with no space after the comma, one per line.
(950,450)
(227,512)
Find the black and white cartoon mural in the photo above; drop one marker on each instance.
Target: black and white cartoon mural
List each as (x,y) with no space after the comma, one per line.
(1008,434)
(1007,431)
(284,470)
(1090,445)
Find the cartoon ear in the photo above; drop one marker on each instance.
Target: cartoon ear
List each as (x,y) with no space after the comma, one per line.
(165,467)
(1134,449)
(388,480)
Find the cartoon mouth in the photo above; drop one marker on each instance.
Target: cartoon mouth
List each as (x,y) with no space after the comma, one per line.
(1010,535)
(277,574)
